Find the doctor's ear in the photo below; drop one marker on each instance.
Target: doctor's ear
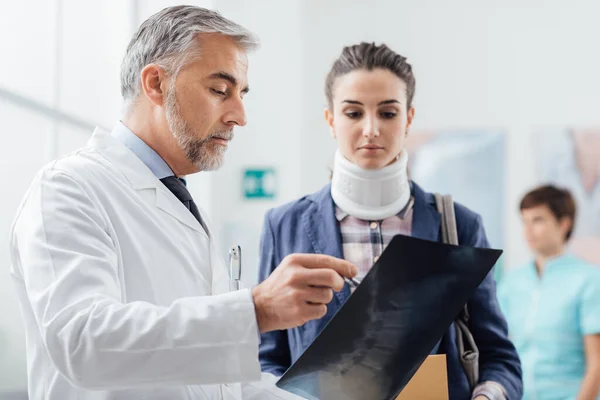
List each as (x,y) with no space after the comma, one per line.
(154,82)
(329,118)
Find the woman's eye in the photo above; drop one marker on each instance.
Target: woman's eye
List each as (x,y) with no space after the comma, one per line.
(388,115)
(353,114)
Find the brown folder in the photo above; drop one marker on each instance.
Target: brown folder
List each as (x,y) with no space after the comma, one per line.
(430,382)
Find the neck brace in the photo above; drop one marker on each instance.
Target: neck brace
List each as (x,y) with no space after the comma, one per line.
(370,194)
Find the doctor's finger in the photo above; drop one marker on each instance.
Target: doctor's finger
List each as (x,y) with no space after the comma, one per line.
(321,277)
(314,311)
(316,295)
(342,267)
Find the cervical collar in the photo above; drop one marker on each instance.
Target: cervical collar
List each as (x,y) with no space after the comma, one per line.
(370,194)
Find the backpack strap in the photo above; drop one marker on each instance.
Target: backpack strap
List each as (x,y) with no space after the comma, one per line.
(467,348)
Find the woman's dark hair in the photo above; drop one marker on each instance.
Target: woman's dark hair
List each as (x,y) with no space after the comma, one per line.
(369,56)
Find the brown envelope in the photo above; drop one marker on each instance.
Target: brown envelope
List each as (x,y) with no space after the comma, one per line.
(430,382)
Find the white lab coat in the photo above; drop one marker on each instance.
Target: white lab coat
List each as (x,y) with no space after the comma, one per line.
(123,293)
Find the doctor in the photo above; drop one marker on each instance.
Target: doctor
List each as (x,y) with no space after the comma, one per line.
(123,293)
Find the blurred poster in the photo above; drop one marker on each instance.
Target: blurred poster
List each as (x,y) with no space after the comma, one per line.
(570,159)
(469,165)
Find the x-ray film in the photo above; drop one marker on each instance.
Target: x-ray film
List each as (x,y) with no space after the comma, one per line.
(380,337)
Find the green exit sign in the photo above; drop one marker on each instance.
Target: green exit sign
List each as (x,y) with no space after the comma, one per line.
(259,183)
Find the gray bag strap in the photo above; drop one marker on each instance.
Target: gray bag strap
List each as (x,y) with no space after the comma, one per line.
(467,348)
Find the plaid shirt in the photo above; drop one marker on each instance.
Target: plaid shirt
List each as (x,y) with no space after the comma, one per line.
(364,241)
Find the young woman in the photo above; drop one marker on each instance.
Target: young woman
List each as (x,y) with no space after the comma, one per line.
(370,199)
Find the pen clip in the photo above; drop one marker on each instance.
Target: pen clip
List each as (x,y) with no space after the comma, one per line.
(235,263)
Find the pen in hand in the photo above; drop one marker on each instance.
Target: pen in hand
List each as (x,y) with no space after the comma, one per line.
(353,282)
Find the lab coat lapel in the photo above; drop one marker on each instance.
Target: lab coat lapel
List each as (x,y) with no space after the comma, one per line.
(141,178)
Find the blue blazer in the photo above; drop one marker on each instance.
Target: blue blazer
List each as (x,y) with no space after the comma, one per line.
(308,225)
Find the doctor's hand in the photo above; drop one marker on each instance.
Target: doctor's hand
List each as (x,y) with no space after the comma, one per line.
(299,290)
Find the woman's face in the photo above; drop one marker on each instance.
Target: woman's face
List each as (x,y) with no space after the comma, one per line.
(369,119)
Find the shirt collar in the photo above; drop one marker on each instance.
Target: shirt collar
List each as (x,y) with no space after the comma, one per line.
(564,259)
(145,153)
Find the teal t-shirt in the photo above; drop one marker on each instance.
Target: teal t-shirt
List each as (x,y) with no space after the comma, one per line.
(548,317)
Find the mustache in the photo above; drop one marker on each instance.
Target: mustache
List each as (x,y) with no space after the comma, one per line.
(225,135)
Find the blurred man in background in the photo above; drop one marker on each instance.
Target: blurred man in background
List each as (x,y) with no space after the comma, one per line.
(552,304)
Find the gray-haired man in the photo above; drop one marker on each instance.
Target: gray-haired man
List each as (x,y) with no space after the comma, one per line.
(123,293)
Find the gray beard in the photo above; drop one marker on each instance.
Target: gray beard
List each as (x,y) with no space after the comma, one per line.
(203,153)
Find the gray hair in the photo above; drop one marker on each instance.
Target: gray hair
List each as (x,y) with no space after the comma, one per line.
(167,38)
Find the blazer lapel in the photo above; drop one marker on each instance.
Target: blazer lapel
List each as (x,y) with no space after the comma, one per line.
(323,231)
(426,219)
